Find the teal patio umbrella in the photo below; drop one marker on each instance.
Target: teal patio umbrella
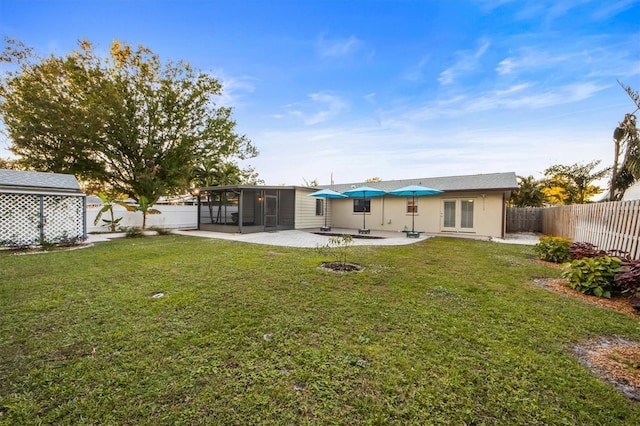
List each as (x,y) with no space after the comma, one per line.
(327,193)
(414,191)
(364,192)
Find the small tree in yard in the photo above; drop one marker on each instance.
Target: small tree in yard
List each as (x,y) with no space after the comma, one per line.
(144,207)
(107,206)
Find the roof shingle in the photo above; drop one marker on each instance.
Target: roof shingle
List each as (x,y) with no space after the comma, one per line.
(20,179)
(493,181)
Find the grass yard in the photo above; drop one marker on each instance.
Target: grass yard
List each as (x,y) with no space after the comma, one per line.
(444,331)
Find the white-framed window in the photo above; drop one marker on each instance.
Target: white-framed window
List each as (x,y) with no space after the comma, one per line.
(458,215)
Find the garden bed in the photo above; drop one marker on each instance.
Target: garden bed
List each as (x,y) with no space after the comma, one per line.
(614,359)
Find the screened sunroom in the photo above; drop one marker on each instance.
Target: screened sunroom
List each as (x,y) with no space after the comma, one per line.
(246,209)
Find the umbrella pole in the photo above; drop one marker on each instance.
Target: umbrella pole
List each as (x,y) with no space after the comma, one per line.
(325,212)
(413,214)
(364,213)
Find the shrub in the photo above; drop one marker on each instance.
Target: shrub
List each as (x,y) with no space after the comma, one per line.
(592,275)
(161,231)
(585,250)
(627,281)
(133,232)
(582,250)
(553,249)
(339,246)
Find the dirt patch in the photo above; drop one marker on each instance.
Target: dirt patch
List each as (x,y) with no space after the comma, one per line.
(340,267)
(614,359)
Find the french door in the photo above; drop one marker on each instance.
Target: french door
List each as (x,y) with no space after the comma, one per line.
(458,215)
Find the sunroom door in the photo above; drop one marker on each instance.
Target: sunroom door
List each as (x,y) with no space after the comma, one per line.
(458,215)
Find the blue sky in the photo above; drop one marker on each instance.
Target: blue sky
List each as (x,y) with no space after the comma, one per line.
(390,89)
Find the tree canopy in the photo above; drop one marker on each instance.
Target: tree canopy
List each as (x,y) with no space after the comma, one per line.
(572,184)
(626,160)
(130,121)
(529,194)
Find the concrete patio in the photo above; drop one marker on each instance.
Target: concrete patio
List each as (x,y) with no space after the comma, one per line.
(312,238)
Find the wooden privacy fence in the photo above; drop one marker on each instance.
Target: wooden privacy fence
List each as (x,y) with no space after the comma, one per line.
(524,219)
(610,226)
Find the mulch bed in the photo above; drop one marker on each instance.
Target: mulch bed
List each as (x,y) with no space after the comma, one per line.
(615,359)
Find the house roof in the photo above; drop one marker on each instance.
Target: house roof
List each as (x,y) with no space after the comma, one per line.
(480,182)
(38,181)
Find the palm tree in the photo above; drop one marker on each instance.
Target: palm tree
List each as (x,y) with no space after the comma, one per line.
(529,193)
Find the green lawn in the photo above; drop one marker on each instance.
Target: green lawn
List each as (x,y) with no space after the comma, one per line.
(444,331)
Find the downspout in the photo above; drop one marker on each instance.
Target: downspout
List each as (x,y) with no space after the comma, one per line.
(503,225)
(240,203)
(382,211)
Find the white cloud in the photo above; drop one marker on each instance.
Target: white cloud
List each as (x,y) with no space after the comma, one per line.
(467,61)
(331,106)
(416,72)
(531,58)
(338,47)
(234,88)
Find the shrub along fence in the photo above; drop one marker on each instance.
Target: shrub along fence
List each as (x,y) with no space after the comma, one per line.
(610,226)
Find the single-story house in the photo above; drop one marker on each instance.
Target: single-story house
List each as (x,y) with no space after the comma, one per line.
(38,207)
(469,205)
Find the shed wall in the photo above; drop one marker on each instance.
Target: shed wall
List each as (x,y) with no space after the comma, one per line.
(27,219)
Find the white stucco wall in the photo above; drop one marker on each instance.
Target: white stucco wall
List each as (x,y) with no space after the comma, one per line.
(388,213)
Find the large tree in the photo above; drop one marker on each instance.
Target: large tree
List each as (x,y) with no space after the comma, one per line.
(626,160)
(573,184)
(129,120)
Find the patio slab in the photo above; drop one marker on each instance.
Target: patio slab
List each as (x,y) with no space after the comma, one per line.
(310,238)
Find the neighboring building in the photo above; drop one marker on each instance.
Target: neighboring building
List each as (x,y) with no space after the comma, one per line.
(37,207)
(470,205)
(632,193)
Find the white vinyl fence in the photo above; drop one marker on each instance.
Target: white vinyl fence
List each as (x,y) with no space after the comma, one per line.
(172,217)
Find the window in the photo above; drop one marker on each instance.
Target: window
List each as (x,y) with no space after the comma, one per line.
(449,218)
(319,207)
(457,215)
(412,206)
(466,213)
(360,206)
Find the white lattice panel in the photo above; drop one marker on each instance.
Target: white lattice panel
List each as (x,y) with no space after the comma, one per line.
(20,218)
(63,218)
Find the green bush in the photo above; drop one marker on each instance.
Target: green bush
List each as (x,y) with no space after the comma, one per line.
(553,249)
(134,232)
(592,275)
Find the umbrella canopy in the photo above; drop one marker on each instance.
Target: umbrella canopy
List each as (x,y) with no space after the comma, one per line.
(414,191)
(364,191)
(327,193)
